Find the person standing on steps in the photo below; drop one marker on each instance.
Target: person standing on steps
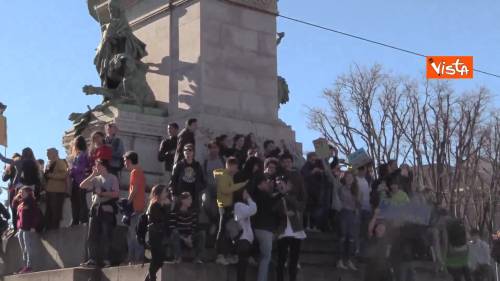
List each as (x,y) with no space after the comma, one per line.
(349,221)
(80,169)
(160,225)
(136,197)
(264,222)
(186,136)
(187,232)
(225,190)
(102,213)
(9,174)
(366,208)
(166,153)
(29,216)
(99,149)
(291,230)
(55,176)
(187,176)
(244,209)
(117,148)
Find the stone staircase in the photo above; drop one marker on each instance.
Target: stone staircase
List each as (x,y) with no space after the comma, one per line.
(61,251)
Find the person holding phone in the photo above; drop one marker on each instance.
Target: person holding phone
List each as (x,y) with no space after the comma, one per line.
(102,213)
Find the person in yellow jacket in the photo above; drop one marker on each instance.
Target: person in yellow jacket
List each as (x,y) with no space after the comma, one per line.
(225,189)
(55,176)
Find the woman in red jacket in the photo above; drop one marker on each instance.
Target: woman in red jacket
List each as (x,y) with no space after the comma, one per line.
(28,218)
(98,149)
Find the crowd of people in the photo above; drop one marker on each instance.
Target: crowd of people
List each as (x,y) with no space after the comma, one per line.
(251,200)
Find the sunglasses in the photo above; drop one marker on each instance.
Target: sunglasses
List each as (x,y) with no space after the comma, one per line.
(188,150)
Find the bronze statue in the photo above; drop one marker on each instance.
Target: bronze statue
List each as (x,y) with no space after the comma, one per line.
(118,62)
(283,91)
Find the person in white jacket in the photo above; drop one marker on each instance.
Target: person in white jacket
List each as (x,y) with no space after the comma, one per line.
(244,208)
(480,261)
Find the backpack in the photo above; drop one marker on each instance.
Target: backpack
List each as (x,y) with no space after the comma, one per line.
(457,236)
(142,229)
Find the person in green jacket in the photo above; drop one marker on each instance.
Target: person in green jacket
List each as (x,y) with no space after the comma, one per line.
(397,196)
(225,190)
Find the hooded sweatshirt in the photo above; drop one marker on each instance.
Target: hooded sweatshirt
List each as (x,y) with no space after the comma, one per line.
(226,187)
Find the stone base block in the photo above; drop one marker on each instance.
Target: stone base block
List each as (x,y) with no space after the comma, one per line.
(73,274)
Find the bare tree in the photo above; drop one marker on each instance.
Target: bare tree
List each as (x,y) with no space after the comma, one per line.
(450,139)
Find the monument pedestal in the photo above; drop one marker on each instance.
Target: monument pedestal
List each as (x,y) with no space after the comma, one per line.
(214,60)
(139,131)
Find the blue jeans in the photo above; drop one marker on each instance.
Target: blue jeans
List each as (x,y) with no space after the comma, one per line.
(265,239)
(197,238)
(349,225)
(26,242)
(135,250)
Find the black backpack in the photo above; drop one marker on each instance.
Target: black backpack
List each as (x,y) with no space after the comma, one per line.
(142,229)
(457,235)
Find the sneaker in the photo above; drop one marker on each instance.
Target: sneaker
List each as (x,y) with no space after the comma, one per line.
(20,270)
(221,260)
(177,260)
(352,266)
(149,278)
(299,267)
(89,263)
(26,270)
(198,261)
(233,259)
(341,265)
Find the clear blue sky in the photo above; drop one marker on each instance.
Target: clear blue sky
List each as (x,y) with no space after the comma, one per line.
(47,49)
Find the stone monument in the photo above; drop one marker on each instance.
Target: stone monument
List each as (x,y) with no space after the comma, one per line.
(164,61)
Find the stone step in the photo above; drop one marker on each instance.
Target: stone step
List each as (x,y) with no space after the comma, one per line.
(75,274)
(205,272)
(319,246)
(321,236)
(318,259)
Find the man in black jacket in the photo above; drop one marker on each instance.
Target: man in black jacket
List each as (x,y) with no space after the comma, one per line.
(186,136)
(265,222)
(168,146)
(187,176)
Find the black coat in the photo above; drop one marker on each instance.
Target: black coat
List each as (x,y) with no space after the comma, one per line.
(166,153)
(185,137)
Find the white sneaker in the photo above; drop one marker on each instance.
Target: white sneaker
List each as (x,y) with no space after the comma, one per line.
(221,260)
(341,265)
(352,266)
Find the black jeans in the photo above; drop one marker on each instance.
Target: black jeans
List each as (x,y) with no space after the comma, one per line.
(79,208)
(223,243)
(157,253)
(288,248)
(243,248)
(55,201)
(100,236)
(458,272)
